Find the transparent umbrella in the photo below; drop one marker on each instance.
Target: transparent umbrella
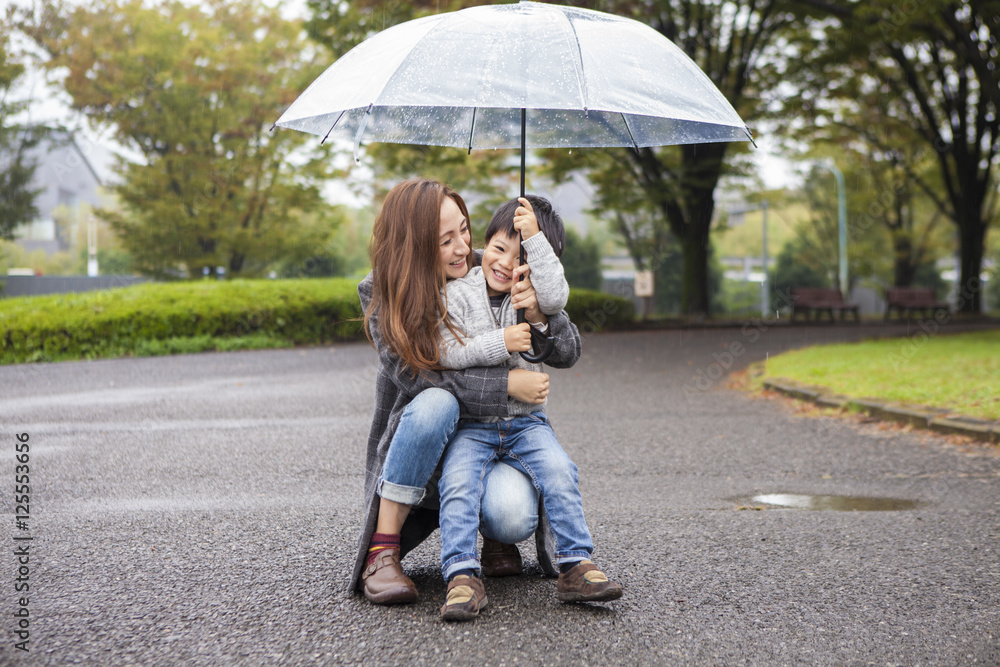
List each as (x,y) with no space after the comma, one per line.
(525,75)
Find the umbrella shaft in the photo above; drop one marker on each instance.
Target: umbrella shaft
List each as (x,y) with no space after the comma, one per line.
(524,123)
(524,116)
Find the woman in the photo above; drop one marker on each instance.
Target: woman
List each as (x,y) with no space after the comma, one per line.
(421,238)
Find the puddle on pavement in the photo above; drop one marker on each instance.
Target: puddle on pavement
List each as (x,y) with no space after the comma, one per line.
(835,503)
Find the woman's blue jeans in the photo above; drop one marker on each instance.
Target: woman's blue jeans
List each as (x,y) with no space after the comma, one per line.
(428,423)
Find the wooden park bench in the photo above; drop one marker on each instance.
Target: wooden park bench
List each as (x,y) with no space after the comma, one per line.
(912,299)
(814,301)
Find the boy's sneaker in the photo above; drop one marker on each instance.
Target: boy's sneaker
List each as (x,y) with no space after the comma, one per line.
(466,598)
(585,583)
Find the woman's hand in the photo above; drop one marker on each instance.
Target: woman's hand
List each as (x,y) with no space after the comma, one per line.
(522,295)
(527,386)
(517,338)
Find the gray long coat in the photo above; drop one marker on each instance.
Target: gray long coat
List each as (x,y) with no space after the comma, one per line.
(481,392)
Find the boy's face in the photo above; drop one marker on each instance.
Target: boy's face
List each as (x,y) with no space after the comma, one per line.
(500,258)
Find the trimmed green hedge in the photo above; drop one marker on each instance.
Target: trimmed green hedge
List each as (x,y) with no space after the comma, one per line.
(592,311)
(125,321)
(169,318)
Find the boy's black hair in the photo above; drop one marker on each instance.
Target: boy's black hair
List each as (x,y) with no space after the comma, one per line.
(549,222)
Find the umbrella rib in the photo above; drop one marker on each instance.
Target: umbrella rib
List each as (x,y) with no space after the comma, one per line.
(472,129)
(579,62)
(332,126)
(629,130)
(362,126)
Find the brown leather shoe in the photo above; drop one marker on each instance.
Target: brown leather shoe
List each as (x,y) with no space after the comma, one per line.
(385,582)
(499,559)
(585,583)
(466,598)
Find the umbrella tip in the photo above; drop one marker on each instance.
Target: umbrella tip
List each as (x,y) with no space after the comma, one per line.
(750,136)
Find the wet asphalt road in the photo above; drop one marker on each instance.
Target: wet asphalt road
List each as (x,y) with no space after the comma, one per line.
(202,510)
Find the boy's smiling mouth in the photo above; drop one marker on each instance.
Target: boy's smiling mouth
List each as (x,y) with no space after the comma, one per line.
(500,276)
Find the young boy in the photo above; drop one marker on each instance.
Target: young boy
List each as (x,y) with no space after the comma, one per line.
(479,306)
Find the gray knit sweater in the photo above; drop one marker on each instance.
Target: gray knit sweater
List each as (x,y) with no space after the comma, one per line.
(470,310)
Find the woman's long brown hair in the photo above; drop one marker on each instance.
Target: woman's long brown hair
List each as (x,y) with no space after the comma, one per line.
(407,274)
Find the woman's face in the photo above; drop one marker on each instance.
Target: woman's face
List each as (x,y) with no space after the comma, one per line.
(455,240)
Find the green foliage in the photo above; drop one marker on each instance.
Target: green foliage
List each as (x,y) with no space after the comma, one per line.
(668,279)
(993,276)
(183,317)
(16,140)
(592,311)
(194,89)
(342,251)
(795,267)
(581,260)
(927,275)
(739,297)
(194,344)
(740,235)
(149,319)
(918,86)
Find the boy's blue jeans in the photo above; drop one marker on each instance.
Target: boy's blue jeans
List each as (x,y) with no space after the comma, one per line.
(510,504)
(528,444)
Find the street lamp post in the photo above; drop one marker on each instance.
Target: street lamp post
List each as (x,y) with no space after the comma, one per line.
(765,297)
(841,224)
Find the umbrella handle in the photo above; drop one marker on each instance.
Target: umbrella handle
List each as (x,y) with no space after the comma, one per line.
(550,345)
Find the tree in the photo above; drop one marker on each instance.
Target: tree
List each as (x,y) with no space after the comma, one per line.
(792,269)
(886,172)
(582,261)
(193,89)
(740,45)
(17,168)
(935,69)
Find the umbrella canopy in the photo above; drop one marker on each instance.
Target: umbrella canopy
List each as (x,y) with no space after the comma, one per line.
(462,79)
(517,76)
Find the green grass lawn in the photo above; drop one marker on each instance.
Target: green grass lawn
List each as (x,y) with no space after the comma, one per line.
(960,372)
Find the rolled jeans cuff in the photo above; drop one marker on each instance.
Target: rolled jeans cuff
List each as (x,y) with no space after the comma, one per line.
(571,556)
(397,493)
(461,562)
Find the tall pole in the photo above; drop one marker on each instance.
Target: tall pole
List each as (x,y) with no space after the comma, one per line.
(841,225)
(91,246)
(765,297)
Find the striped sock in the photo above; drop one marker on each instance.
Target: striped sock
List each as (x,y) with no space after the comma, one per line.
(380,542)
